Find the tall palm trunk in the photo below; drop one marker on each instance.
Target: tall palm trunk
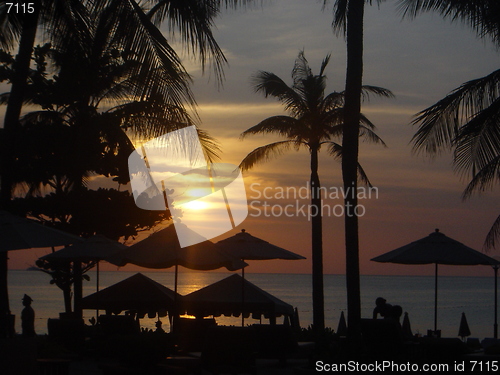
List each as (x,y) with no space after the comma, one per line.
(16,97)
(350,146)
(78,289)
(12,114)
(317,246)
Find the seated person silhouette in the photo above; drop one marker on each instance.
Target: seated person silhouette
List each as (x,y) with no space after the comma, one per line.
(382,307)
(395,313)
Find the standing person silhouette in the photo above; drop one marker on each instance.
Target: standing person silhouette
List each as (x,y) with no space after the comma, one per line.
(382,307)
(28,318)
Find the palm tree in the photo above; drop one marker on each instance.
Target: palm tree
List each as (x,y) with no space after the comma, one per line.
(348,19)
(81,138)
(315,120)
(135,29)
(467,119)
(135,32)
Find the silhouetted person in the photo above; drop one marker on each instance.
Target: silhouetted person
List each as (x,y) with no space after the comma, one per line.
(158,325)
(395,313)
(382,307)
(28,318)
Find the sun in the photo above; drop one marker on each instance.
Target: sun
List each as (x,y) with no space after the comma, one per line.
(196,205)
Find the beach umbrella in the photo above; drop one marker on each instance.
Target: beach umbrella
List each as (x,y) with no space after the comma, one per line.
(342,327)
(436,249)
(162,250)
(247,247)
(92,249)
(138,292)
(406,327)
(464,330)
(224,298)
(18,233)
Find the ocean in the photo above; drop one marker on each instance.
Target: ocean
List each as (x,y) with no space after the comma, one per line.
(472,295)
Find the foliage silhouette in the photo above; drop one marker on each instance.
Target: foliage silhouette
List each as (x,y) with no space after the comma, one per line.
(467,119)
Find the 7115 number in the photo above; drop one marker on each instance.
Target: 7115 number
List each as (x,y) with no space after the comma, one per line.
(20,8)
(484,366)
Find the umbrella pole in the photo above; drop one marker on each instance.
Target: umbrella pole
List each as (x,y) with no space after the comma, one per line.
(175,281)
(97,288)
(242,296)
(176,272)
(435,298)
(495,326)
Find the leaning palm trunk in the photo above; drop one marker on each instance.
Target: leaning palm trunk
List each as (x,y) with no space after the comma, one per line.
(350,146)
(317,246)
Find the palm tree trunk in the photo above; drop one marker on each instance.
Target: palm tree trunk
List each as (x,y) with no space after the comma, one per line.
(67,298)
(12,114)
(77,289)
(317,246)
(16,97)
(350,146)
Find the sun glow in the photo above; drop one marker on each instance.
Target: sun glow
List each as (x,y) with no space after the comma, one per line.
(196,205)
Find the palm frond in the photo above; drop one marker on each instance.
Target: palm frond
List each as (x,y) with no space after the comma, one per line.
(45,117)
(324,64)
(363,176)
(482,15)
(272,85)
(478,142)
(484,179)
(301,70)
(336,130)
(151,119)
(285,126)
(265,153)
(366,122)
(335,150)
(193,19)
(4,98)
(366,90)
(211,147)
(11,25)
(367,133)
(339,23)
(439,124)
(158,66)
(334,100)
(492,236)
(65,20)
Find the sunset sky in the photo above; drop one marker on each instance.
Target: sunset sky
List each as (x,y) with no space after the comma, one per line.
(420,60)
